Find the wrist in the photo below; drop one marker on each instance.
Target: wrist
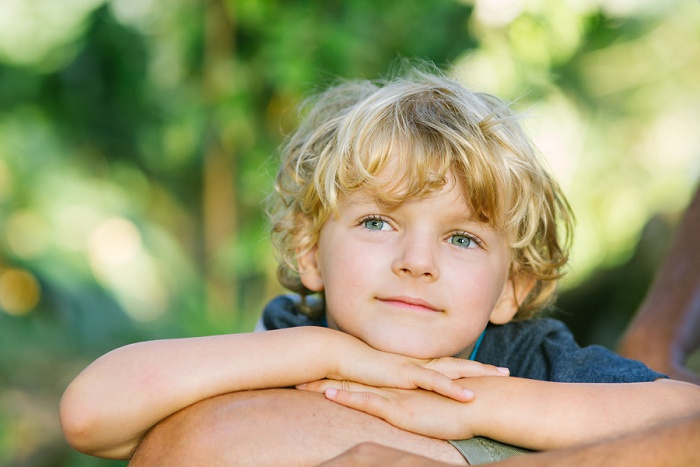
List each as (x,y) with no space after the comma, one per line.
(472,421)
(334,350)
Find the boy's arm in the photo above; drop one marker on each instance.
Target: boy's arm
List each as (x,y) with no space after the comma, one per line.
(109,406)
(671,444)
(528,413)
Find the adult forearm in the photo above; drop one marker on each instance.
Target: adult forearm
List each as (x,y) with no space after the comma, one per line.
(274,427)
(666,328)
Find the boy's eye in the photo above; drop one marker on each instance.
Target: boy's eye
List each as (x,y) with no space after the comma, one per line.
(463,241)
(376,224)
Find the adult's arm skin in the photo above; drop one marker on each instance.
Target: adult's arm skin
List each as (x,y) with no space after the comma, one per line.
(274,427)
(666,328)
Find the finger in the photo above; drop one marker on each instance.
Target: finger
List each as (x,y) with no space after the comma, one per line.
(432,380)
(455,368)
(367,402)
(401,409)
(376,404)
(313,386)
(323,384)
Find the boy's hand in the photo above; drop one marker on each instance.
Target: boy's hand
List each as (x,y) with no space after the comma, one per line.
(360,363)
(416,410)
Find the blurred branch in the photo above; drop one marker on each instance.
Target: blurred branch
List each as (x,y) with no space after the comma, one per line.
(218,197)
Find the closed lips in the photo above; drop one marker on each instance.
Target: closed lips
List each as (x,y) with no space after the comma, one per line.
(408,302)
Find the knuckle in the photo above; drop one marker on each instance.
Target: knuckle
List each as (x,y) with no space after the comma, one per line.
(367,398)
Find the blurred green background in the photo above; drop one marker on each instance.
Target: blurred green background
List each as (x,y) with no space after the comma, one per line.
(137,140)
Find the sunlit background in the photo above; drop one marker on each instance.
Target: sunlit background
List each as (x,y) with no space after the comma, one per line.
(137,140)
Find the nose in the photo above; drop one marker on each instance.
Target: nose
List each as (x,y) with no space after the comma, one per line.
(416,257)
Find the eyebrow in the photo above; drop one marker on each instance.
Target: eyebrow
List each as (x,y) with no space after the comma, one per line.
(458,218)
(361,199)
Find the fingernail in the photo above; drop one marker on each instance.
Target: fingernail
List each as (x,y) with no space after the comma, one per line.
(301,386)
(331,393)
(469,394)
(503,370)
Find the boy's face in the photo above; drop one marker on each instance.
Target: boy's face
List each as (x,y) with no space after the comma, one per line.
(422,279)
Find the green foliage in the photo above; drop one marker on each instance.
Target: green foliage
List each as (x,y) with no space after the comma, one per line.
(137,141)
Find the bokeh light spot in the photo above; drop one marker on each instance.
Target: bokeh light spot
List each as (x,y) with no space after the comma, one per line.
(121,264)
(115,242)
(27,234)
(34,32)
(498,13)
(19,291)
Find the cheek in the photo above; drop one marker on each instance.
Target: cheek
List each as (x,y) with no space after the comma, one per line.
(339,278)
(502,276)
(344,282)
(342,261)
(348,282)
(481,287)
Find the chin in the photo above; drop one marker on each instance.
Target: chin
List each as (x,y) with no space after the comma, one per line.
(412,349)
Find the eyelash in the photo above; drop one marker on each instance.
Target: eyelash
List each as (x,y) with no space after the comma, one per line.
(461,233)
(373,217)
(477,241)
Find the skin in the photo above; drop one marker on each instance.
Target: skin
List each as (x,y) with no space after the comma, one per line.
(302,427)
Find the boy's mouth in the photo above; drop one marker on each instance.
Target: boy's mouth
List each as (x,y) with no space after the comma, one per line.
(409,303)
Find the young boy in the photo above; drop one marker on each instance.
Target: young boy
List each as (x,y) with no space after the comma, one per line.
(420,212)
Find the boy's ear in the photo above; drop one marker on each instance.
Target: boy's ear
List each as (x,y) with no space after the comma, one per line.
(514,293)
(309,272)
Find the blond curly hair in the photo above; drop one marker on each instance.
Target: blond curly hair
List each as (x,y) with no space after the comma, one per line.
(421,126)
